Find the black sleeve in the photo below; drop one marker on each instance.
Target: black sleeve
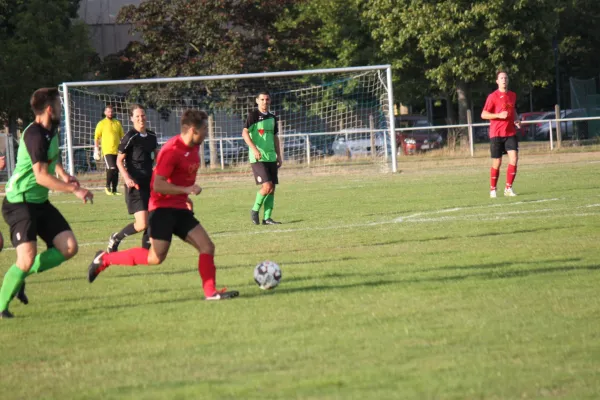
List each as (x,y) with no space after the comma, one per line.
(251,120)
(37,145)
(155,140)
(124,144)
(276,128)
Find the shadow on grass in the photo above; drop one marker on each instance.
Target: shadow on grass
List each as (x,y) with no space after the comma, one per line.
(196,294)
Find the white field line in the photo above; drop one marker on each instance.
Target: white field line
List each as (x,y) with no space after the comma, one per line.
(503,215)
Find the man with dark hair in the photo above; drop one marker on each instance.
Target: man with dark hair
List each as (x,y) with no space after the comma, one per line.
(135,161)
(173,180)
(26,208)
(500,109)
(260,134)
(109,133)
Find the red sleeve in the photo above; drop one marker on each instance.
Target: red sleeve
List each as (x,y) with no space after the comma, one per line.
(489,104)
(165,162)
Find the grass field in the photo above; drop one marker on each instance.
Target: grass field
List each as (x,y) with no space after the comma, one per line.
(406,286)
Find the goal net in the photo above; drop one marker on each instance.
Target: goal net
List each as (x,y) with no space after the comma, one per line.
(334,118)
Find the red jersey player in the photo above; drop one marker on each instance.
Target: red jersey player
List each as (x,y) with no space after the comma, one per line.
(173,180)
(500,109)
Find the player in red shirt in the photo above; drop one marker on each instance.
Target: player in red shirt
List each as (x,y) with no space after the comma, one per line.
(173,180)
(500,109)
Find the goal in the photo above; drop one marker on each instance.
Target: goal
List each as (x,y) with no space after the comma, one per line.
(328,118)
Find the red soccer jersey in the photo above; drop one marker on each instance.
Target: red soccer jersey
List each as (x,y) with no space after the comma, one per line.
(178,163)
(497,102)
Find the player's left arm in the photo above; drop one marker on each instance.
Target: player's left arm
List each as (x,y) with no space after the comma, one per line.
(164,168)
(517,119)
(277,144)
(64,175)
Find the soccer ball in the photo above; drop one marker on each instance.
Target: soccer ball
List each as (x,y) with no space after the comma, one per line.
(267,275)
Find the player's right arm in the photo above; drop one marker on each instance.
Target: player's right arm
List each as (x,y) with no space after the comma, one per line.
(37,147)
(250,143)
(123,150)
(488,107)
(165,164)
(98,134)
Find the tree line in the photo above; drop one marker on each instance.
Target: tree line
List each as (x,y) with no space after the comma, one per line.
(446,49)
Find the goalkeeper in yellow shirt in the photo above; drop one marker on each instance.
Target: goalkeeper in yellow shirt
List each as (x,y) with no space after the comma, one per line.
(109,133)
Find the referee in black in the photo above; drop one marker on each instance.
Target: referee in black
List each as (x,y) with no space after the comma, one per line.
(135,161)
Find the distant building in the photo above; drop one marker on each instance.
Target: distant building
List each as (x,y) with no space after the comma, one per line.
(107,36)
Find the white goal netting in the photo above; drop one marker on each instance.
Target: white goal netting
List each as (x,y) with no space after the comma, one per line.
(336,118)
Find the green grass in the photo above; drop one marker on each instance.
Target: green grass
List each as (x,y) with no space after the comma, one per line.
(406,286)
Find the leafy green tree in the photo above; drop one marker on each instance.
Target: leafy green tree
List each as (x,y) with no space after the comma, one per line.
(460,44)
(324,34)
(41,46)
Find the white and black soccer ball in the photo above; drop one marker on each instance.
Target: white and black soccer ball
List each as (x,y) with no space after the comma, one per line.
(267,275)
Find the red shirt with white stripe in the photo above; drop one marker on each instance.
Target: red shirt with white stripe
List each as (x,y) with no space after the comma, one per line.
(178,163)
(497,102)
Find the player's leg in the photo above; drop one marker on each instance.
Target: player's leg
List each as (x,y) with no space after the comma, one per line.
(270,198)
(188,228)
(137,205)
(23,233)
(14,278)
(161,225)
(512,149)
(261,177)
(109,173)
(496,148)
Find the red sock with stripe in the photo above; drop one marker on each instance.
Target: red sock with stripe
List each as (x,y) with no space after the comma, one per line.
(134,256)
(494,174)
(208,272)
(511,174)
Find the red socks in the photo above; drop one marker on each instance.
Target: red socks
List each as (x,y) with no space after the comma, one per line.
(511,173)
(208,272)
(494,174)
(135,256)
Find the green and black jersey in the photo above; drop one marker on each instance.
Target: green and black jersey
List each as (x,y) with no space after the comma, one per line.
(37,145)
(262,128)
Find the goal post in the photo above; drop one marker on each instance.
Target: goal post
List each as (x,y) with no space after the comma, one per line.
(335,118)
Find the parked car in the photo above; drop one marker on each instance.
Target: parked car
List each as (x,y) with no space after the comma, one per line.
(569,129)
(526,132)
(294,148)
(356,143)
(234,151)
(415,141)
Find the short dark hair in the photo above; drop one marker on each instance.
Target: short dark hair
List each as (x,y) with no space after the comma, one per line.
(193,118)
(501,71)
(42,98)
(134,107)
(264,92)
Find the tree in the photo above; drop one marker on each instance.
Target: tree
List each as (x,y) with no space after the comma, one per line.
(323,34)
(459,44)
(41,46)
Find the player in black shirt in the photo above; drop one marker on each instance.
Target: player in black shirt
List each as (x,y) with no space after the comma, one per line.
(135,160)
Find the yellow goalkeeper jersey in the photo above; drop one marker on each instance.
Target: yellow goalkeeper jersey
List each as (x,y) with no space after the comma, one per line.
(109,132)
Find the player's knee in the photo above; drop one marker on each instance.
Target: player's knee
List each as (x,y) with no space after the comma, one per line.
(156,259)
(140,226)
(25,263)
(208,248)
(70,250)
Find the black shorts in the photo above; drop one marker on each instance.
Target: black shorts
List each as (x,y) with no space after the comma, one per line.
(27,221)
(501,145)
(265,172)
(111,161)
(163,223)
(137,199)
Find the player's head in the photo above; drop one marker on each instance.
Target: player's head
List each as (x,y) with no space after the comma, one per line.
(194,125)
(263,100)
(137,113)
(108,111)
(46,101)
(502,79)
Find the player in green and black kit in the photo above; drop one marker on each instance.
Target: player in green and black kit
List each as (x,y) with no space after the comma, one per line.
(260,134)
(26,208)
